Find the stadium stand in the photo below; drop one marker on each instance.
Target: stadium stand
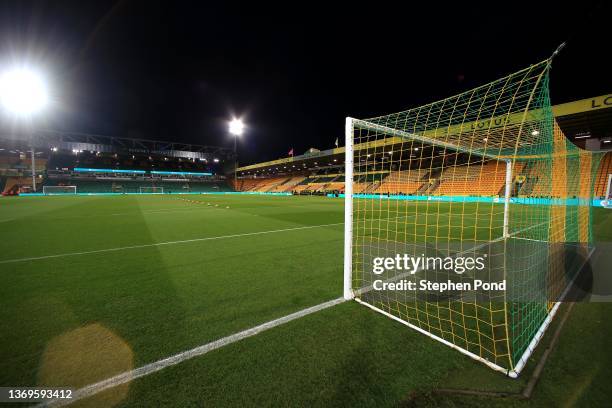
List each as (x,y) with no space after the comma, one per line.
(402,182)
(288,185)
(97,172)
(100,164)
(14,185)
(259,184)
(462,180)
(601,179)
(15,170)
(134,186)
(268,184)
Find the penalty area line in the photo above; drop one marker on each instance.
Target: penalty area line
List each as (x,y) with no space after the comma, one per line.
(157,244)
(151,368)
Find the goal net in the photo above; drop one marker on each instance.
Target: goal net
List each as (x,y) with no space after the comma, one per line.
(468,218)
(59,190)
(151,190)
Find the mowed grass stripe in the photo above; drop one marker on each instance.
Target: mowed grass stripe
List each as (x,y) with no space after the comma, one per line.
(185,241)
(36,232)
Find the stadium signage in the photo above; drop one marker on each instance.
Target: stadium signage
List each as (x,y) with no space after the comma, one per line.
(181,173)
(177,173)
(606,101)
(88,170)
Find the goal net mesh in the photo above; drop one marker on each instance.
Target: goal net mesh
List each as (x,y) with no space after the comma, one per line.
(50,190)
(484,173)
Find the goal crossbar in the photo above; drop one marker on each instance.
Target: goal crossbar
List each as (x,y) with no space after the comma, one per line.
(363,124)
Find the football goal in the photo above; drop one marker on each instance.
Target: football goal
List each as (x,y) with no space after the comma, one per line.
(467,219)
(151,190)
(59,190)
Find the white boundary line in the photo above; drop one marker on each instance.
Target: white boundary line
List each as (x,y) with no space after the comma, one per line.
(151,368)
(433,336)
(185,241)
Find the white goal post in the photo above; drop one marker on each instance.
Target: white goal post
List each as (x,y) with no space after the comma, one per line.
(608,198)
(151,190)
(59,190)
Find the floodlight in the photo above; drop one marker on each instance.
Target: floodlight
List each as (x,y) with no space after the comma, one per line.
(22,92)
(236,127)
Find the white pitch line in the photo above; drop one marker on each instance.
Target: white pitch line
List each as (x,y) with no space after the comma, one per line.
(144,212)
(98,251)
(151,368)
(184,241)
(161,210)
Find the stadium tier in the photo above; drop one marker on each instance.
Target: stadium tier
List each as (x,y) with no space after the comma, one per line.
(288,185)
(601,179)
(402,182)
(111,168)
(137,186)
(13,185)
(464,178)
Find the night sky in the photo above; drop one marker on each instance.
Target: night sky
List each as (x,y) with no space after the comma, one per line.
(179,71)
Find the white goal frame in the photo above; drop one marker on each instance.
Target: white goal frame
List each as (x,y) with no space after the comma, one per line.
(348,190)
(349,294)
(47,190)
(143,190)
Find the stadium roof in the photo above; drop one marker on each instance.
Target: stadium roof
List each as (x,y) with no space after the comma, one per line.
(581,120)
(48,139)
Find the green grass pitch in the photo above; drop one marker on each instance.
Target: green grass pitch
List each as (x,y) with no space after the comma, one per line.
(76,319)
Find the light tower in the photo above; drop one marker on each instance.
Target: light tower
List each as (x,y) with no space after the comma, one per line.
(236,128)
(23,94)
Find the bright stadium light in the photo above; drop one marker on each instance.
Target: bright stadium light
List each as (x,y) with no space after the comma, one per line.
(236,127)
(23,92)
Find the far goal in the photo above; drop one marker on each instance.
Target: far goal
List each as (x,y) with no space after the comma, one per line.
(469,218)
(59,190)
(151,190)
